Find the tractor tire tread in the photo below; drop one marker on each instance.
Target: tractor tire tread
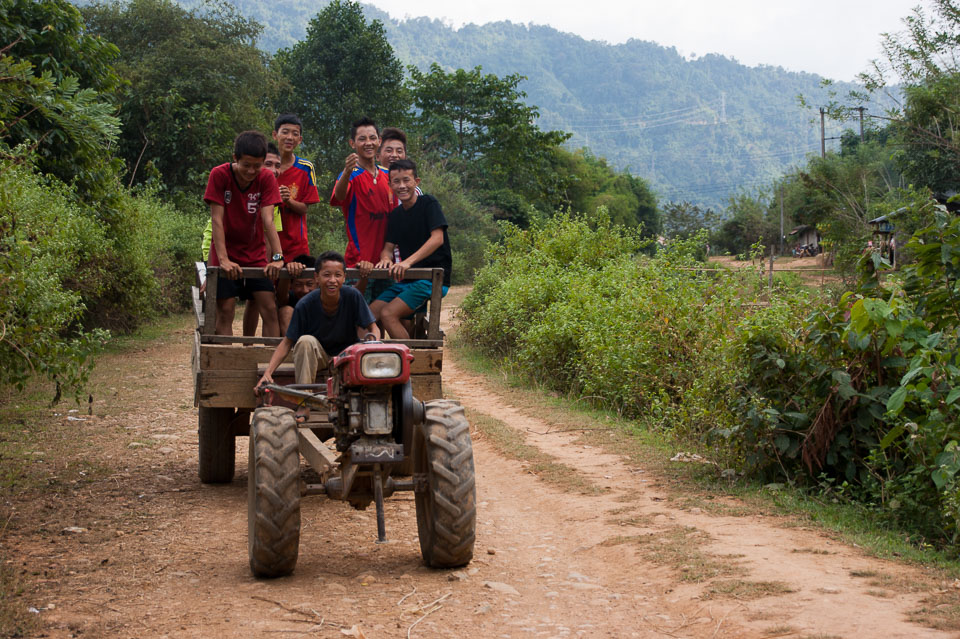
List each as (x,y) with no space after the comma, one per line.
(447,512)
(274,493)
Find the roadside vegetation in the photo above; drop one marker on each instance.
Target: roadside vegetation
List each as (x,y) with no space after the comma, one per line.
(108,126)
(851,393)
(855,398)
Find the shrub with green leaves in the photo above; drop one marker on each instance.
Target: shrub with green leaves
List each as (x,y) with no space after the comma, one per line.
(866,391)
(47,262)
(861,392)
(575,302)
(63,267)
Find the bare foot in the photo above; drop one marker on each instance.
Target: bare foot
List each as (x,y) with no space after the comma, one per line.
(302,415)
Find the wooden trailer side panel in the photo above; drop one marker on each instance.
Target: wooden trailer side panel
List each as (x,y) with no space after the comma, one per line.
(227,374)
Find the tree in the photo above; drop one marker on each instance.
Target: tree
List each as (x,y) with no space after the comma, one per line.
(749,219)
(682,220)
(927,49)
(590,182)
(843,192)
(343,69)
(192,80)
(481,126)
(928,133)
(51,96)
(925,60)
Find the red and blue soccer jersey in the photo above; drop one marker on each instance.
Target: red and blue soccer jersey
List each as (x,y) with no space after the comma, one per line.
(242,224)
(365,210)
(301,179)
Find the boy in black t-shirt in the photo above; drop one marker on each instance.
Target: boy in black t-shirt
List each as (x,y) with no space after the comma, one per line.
(324,322)
(418,230)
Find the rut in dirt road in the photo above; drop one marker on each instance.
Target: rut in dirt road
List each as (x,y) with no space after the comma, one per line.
(161,555)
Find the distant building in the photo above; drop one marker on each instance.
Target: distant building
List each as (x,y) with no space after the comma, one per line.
(806,240)
(883,237)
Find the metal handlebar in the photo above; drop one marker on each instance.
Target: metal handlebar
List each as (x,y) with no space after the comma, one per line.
(295,395)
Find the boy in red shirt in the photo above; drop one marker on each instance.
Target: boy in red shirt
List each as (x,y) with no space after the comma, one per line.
(363,192)
(242,195)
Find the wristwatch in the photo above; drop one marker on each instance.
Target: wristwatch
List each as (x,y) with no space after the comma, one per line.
(277,257)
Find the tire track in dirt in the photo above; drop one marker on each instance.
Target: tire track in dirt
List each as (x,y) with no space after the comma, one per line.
(161,555)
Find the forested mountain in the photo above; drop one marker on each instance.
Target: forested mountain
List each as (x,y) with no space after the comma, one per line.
(696,129)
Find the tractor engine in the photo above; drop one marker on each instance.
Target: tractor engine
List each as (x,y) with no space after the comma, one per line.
(369,394)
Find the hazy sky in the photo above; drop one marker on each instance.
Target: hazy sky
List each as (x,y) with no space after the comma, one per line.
(835,40)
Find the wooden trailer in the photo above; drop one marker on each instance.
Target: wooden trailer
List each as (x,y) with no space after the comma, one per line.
(226,369)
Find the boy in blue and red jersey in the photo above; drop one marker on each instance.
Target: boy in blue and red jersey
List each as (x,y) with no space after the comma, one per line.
(242,195)
(363,192)
(298,187)
(298,190)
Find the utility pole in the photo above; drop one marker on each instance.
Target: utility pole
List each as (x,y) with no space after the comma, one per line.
(861,110)
(723,107)
(781,218)
(823,134)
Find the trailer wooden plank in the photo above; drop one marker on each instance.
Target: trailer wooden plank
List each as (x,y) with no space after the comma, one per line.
(241,339)
(351,273)
(227,388)
(426,361)
(195,368)
(227,357)
(436,292)
(234,389)
(197,306)
(273,341)
(426,387)
(210,308)
(320,458)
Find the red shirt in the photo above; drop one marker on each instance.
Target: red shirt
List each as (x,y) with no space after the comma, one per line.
(301,180)
(242,224)
(365,211)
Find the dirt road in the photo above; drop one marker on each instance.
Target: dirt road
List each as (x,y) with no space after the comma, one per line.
(135,546)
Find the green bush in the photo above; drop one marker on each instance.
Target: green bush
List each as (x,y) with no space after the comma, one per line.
(866,391)
(471,224)
(863,392)
(146,267)
(48,263)
(575,303)
(64,266)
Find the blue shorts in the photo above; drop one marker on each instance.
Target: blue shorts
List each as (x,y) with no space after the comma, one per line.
(414,294)
(374,289)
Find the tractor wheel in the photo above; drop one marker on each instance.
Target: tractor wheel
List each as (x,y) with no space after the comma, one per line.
(216,446)
(447,510)
(273,493)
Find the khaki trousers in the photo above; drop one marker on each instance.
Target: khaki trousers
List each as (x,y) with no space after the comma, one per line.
(308,357)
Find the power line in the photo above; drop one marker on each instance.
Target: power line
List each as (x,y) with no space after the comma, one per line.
(648,115)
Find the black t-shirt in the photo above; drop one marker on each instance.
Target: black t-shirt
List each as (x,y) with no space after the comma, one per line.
(335,332)
(409,229)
